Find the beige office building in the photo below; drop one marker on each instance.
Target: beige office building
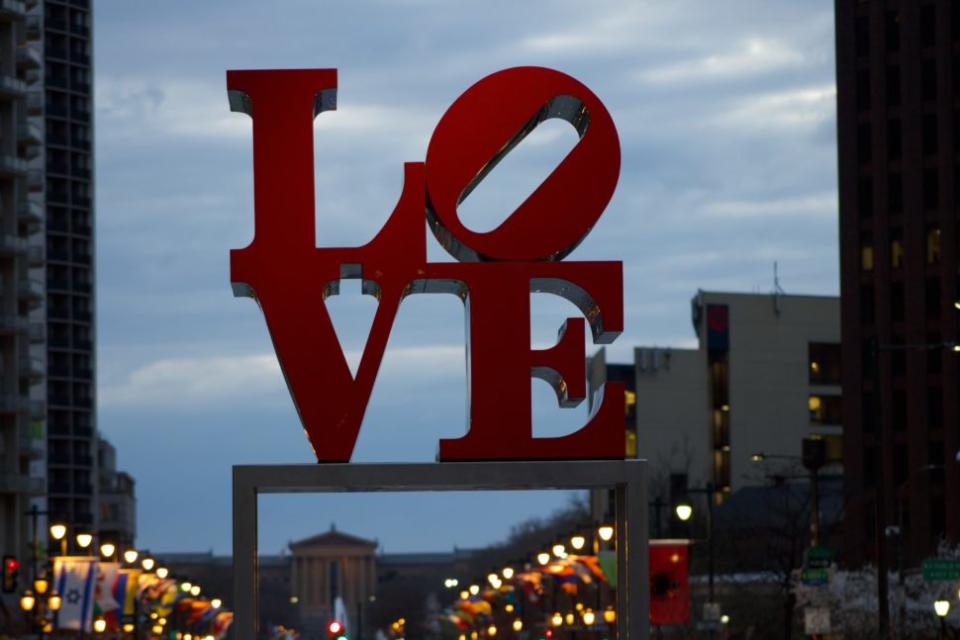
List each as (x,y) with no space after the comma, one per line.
(765,374)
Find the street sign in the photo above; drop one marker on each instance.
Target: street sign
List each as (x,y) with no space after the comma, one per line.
(818,558)
(941,569)
(815,577)
(816,621)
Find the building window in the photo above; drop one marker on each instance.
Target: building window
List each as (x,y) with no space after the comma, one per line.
(928,79)
(932,297)
(865,197)
(862,36)
(899,413)
(896,303)
(863,90)
(893,86)
(930,134)
(824,409)
(900,465)
(928,25)
(824,362)
(864,143)
(892,40)
(866,252)
(896,248)
(866,304)
(894,139)
(934,407)
(933,244)
(931,189)
(868,413)
(934,356)
(894,194)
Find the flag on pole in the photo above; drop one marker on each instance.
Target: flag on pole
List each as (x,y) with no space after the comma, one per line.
(75,578)
(125,589)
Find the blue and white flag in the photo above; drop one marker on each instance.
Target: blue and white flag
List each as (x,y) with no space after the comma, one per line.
(74,578)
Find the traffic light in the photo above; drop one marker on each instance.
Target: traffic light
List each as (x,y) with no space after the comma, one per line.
(335,631)
(10,567)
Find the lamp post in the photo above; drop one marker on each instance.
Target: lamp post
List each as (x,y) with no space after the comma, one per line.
(942,608)
(684,511)
(813,459)
(884,443)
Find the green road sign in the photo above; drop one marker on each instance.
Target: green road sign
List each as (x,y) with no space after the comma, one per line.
(817,558)
(813,577)
(937,569)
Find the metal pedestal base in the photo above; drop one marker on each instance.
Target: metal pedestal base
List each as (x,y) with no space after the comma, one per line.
(627,477)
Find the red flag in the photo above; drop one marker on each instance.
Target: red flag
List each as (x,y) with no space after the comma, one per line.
(669,589)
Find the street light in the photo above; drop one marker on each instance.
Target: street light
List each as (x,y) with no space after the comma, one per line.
(130,555)
(162,572)
(588,617)
(605,532)
(54,601)
(559,551)
(474,589)
(40,585)
(99,625)
(148,563)
(684,511)
(577,541)
(216,603)
(58,532)
(84,540)
(507,573)
(942,607)
(543,557)
(107,549)
(27,601)
(518,625)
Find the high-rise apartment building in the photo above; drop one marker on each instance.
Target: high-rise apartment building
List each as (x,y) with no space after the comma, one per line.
(71,415)
(898,84)
(21,280)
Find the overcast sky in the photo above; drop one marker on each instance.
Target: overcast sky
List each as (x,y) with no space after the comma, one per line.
(725,112)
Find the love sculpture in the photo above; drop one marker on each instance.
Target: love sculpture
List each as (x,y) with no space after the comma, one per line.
(291,278)
(495,272)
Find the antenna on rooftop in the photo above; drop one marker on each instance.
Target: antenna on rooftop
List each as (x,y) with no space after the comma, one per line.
(777,289)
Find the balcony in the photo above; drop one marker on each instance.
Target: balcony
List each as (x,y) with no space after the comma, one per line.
(80,57)
(12,323)
(12,10)
(81,172)
(30,447)
(11,165)
(16,483)
(31,212)
(12,87)
(32,291)
(59,429)
(57,24)
(36,256)
(80,113)
(80,85)
(83,489)
(34,26)
(35,103)
(31,133)
(37,332)
(29,57)
(83,460)
(80,29)
(31,368)
(11,244)
(58,313)
(35,180)
(81,200)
